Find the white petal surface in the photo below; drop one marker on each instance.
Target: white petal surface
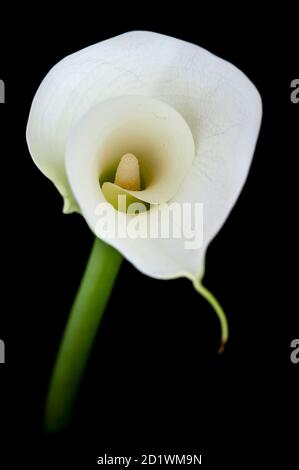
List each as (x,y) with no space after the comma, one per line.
(218,102)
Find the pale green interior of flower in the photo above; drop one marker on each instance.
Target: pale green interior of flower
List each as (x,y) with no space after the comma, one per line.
(112,191)
(159,138)
(149,129)
(153,160)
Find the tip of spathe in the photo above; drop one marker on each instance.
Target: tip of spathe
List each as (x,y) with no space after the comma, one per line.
(222,347)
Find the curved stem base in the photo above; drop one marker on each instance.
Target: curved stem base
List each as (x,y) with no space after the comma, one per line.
(80,332)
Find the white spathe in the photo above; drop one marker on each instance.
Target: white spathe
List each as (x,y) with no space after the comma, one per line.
(214,100)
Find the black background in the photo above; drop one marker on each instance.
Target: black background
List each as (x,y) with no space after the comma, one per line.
(154,382)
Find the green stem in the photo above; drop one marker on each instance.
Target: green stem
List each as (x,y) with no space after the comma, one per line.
(202,290)
(81,329)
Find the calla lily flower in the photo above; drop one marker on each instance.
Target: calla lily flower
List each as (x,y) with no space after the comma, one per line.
(67,129)
(184,121)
